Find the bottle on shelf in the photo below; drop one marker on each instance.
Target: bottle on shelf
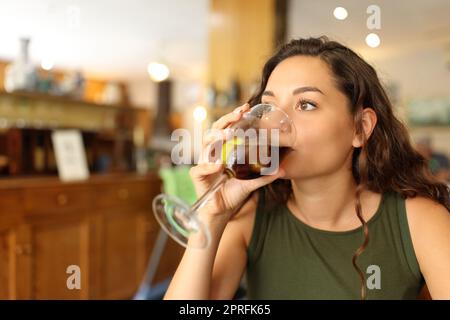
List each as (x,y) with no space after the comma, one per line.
(46,83)
(21,74)
(72,85)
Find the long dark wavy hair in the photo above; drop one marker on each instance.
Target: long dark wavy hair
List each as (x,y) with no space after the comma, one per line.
(387,161)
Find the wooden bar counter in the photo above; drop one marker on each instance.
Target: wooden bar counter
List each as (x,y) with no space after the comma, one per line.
(104,225)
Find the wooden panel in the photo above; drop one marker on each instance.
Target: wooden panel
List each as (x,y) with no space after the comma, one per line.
(10,200)
(6,264)
(124,194)
(56,246)
(56,199)
(21,253)
(14,263)
(121,245)
(95,255)
(9,219)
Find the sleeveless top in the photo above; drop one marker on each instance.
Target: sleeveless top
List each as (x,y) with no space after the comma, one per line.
(288,259)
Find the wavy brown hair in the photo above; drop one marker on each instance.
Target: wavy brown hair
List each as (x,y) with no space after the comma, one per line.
(387,161)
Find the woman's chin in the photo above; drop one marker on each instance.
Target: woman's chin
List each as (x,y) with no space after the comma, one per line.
(293,174)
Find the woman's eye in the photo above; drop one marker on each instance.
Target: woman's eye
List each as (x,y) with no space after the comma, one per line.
(306,106)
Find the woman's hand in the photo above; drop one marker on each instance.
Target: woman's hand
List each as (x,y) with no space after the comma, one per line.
(231,195)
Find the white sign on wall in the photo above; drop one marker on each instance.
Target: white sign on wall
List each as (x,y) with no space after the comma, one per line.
(70,155)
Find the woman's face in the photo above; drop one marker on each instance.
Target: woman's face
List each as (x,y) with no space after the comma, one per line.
(303,86)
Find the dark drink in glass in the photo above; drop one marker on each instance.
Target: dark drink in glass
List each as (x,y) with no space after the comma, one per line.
(248,159)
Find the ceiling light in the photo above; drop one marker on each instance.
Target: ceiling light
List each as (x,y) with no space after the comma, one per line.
(373,40)
(158,72)
(199,113)
(340,13)
(47,64)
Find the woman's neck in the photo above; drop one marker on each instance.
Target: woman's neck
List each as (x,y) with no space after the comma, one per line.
(327,202)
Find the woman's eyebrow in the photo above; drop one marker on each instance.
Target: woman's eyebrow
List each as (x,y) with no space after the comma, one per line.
(268,93)
(296,91)
(306,89)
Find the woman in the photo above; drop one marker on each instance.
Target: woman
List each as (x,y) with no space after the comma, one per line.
(353,211)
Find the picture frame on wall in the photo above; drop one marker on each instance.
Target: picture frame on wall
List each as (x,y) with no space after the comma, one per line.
(70,155)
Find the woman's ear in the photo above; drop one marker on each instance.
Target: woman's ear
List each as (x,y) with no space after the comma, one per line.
(369,120)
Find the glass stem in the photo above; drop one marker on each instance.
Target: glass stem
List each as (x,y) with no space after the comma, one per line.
(207,195)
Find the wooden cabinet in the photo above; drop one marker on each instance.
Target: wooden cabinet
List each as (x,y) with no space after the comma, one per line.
(55,246)
(104,227)
(7,263)
(13,245)
(123,253)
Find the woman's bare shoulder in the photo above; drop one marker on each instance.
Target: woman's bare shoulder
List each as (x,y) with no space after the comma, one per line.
(425,214)
(429,224)
(424,210)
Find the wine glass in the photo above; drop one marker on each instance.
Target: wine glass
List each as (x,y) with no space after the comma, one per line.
(258,142)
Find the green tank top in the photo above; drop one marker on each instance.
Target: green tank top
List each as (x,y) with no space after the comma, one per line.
(287,259)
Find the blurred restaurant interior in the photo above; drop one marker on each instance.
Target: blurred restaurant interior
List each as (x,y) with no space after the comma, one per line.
(90,92)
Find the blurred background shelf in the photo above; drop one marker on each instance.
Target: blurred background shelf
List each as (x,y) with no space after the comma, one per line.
(27,120)
(51,98)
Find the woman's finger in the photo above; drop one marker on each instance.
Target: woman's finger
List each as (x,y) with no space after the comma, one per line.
(231,117)
(203,158)
(214,135)
(205,169)
(211,153)
(213,143)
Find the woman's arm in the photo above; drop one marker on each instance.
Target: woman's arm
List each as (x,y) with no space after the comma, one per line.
(231,259)
(215,272)
(429,224)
